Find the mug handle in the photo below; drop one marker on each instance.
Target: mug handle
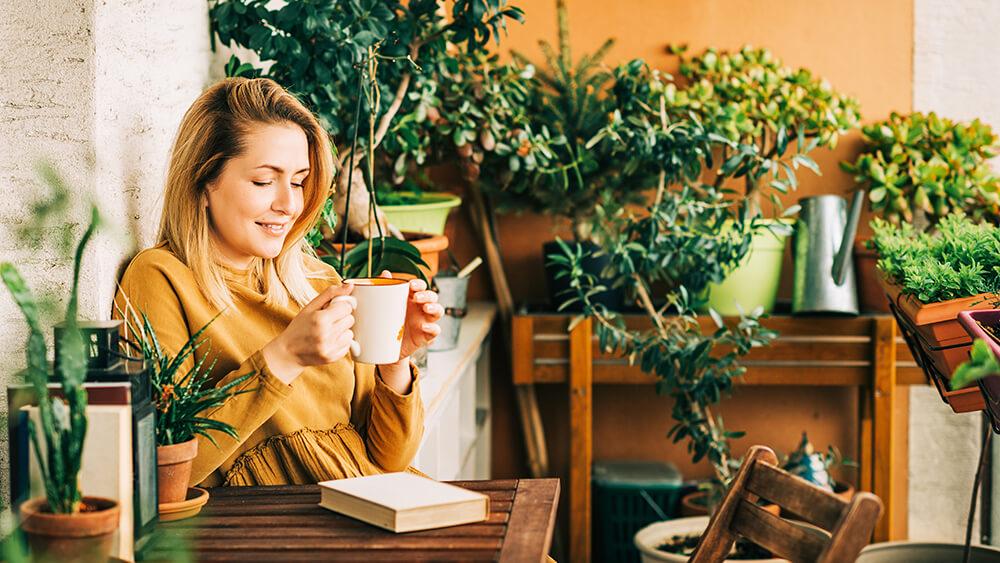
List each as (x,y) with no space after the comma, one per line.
(355,345)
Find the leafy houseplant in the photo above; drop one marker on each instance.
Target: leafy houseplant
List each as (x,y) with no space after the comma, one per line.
(395,53)
(929,279)
(49,522)
(919,167)
(676,245)
(774,115)
(180,402)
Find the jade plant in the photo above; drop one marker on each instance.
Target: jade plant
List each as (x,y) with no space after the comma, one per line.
(961,259)
(775,113)
(919,167)
(63,421)
(322,51)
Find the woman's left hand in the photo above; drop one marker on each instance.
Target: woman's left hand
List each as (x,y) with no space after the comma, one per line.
(422,313)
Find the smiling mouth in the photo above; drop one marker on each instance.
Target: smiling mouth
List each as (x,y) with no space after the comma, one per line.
(274,228)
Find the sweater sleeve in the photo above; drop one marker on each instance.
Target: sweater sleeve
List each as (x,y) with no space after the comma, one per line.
(392,424)
(150,289)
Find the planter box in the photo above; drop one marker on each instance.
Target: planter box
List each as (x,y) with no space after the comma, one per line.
(938,342)
(989,386)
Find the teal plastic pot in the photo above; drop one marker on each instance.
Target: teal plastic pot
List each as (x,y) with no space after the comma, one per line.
(427,216)
(754,283)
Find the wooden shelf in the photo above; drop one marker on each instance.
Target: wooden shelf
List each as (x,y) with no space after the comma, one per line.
(864,352)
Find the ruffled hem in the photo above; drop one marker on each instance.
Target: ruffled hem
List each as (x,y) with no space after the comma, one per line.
(303,457)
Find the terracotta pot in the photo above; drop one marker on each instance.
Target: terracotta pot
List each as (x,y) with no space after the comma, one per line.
(871,298)
(70,538)
(173,464)
(429,246)
(696,504)
(937,339)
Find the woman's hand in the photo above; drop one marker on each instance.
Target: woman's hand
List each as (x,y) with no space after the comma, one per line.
(420,327)
(321,333)
(422,314)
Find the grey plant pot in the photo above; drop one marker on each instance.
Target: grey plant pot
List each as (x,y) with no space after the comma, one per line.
(926,552)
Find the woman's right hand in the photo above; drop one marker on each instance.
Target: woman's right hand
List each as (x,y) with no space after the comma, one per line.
(319,334)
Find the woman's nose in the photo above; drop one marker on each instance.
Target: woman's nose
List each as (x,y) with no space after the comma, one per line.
(284,198)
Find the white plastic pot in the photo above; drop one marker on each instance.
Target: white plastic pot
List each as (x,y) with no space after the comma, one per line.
(926,552)
(658,533)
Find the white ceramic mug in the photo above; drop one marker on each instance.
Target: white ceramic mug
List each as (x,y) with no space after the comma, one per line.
(379,317)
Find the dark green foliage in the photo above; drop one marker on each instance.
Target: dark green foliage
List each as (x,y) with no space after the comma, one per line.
(386,254)
(676,244)
(960,260)
(63,421)
(180,399)
(920,163)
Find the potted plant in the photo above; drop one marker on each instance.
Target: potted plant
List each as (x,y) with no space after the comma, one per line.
(552,161)
(395,54)
(917,169)
(929,279)
(677,246)
(180,401)
(64,525)
(777,115)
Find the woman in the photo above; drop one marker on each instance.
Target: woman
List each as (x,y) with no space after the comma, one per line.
(248,175)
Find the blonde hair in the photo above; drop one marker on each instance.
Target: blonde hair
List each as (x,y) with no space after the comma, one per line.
(213,131)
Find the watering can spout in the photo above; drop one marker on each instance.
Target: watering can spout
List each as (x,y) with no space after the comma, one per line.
(839,270)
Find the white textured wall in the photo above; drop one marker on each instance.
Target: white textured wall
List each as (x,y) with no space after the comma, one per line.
(98,87)
(956,73)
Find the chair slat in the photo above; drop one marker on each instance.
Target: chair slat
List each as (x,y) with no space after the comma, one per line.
(780,536)
(809,502)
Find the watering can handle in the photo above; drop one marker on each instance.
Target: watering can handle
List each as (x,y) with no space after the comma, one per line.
(847,243)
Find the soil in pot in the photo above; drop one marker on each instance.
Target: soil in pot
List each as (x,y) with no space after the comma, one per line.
(742,550)
(70,538)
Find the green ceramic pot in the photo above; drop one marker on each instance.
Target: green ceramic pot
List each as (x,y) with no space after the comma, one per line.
(755,282)
(426,216)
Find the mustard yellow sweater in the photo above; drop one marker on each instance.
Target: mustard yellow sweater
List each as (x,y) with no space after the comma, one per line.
(333,421)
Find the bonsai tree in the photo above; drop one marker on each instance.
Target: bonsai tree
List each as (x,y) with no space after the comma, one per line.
(775,113)
(676,244)
(387,57)
(918,168)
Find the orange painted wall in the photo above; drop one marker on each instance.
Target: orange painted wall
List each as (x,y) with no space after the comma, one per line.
(862,48)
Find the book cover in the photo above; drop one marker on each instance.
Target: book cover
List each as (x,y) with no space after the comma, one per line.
(404,502)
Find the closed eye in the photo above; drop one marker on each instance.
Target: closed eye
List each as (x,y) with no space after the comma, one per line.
(262,184)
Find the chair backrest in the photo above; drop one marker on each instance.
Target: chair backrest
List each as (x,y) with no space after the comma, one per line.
(850,524)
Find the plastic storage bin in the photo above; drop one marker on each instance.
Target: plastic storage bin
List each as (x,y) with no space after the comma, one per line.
(627,496)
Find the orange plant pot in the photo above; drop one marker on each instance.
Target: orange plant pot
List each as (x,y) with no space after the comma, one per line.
(945,344)
(84,537)
(173,464)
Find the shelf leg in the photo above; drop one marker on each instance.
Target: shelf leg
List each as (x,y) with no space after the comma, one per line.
(581,453)
(884,435)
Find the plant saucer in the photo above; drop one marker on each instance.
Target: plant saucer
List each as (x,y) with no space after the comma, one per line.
(196,498)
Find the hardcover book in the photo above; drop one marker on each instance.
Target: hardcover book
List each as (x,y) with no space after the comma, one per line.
(404,502)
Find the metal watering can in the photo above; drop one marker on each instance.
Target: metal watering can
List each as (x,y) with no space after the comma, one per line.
(823,244)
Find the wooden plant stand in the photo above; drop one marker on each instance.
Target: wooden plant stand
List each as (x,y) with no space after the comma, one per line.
(862,352)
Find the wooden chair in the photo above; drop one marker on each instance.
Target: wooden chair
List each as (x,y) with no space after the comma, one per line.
(850,524)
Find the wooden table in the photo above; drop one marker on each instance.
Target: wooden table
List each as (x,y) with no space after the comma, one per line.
(863,352)
(285,523)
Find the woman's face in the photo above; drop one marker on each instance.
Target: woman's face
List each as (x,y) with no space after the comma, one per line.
(257,198)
